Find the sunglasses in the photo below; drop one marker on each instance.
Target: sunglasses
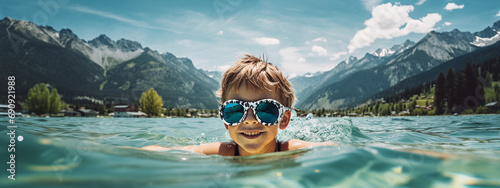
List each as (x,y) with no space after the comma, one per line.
(268,112)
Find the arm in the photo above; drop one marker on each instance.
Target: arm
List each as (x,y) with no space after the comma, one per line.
(297,144)
(219,148)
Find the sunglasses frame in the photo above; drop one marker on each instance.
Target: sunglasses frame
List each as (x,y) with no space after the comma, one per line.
(247,105)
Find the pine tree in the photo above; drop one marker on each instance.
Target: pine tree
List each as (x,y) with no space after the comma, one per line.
(439,93)
(489,80)
(497,92)
(151,103)
(451,96)
(460,92)
(470,87)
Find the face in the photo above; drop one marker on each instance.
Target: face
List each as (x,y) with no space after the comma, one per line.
(250,135)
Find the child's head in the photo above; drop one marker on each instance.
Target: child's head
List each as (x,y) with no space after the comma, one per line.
(258,75)
(251,79)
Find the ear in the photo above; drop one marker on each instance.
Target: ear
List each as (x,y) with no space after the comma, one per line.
(285,120)
(227,128)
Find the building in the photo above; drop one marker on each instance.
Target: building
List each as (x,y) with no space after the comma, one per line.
(4,110)
(353,114)
(71,112)
(82,112)
(127,111)
(88,113)
(404,113)
(493,107)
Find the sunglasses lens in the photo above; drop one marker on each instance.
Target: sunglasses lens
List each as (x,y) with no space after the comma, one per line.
(267,112)
(233,112)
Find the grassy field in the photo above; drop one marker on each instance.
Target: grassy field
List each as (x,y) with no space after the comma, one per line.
(422,102)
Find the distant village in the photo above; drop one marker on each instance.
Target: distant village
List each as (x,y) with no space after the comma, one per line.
(130,110)
(124,110)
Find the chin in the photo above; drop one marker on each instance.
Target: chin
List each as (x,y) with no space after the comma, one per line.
(252,148)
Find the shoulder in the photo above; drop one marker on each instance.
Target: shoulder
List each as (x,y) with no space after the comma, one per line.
(297,144)
(227,148)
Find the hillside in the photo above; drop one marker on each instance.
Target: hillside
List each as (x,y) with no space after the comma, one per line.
(303,84)
(456,64)
(432,50)
(100,70)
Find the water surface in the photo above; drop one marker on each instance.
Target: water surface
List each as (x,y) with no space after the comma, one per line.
(441,151)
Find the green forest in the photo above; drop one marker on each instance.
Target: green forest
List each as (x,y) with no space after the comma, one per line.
(42,101)
(465,91)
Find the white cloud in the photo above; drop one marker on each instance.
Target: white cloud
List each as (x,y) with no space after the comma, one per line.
(447,23)
(295,61)
(420,2)
(317,40)
(320,39)
(369,4)
(452,6)
(337,55)
(424,25)
(104,14)
(291,55)
(266,41)
(498,13)
(292,61)
(319,50)
(389,21)
(116,17)
(223,68)
(220,33)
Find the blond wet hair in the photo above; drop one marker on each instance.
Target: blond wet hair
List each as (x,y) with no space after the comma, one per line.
(259,75)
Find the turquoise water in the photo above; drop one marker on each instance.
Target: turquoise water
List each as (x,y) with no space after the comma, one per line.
(462,151)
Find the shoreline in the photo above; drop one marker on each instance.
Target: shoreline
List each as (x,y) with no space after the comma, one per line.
(42,116)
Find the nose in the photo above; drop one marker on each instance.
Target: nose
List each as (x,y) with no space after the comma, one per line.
(250,119)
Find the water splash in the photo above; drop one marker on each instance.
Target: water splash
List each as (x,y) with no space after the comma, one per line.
(319,129)
(200,139)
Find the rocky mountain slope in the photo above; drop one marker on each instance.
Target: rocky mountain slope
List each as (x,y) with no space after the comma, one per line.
(304,88)
(100,70)
(432,50)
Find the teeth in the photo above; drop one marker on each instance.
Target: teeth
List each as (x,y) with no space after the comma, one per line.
(251,133)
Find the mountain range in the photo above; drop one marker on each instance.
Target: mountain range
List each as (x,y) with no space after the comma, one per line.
(302,84)
(354,81)
(100,70)
(105,71)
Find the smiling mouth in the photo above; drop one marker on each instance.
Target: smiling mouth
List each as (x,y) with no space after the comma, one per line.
(251,135)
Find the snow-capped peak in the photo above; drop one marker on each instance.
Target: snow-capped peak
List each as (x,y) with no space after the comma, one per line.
(106,52)
(351,59)
(30,30)
(382,52)
(308,75)
(101,50)
(396,49)
(482,42)
(402,47)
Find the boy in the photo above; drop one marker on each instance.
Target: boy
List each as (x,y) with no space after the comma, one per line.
(256,100)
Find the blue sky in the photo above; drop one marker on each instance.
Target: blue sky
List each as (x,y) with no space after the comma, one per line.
(298,36)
